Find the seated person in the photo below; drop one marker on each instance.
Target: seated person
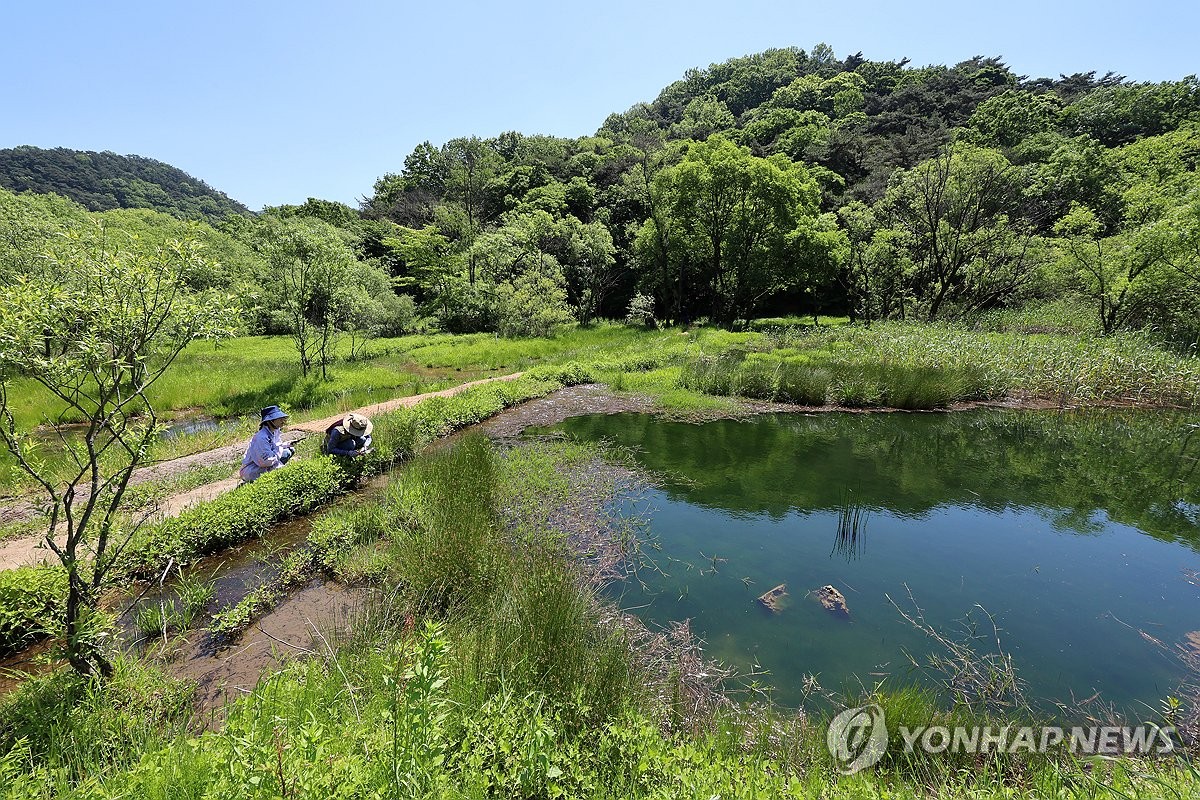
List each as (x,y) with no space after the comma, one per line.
(267,450)
(349,436)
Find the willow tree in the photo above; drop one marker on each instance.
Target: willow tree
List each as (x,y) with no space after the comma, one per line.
(738,228)
(94,323)
(960,215)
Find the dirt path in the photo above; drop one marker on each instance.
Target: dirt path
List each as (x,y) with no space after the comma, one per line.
(29,550)
(319,425)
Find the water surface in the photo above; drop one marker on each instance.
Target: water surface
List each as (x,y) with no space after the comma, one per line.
(1076,532)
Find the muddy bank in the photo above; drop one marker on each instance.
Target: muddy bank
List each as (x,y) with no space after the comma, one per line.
(310,621)
(598,398)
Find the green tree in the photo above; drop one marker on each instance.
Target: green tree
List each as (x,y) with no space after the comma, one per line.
(1102,269)
(1121,113)
(470,165)
(1143,273)
(959,213)
(875,268)
(1009,118)
(588,259)
(366,307)
(28,224)
(306,263)
(532,303)
(738,224)
(96,326)
(703,117)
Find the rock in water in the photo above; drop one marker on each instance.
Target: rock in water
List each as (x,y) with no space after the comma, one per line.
(832,600)
(774,598)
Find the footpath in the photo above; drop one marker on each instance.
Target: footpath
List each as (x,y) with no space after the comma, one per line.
(30,550)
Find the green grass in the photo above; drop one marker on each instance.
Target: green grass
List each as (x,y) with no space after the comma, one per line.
(189,599)
(61,729)
(232,380)
(32,599)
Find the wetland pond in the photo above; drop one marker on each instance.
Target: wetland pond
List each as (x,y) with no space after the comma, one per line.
(1077,532)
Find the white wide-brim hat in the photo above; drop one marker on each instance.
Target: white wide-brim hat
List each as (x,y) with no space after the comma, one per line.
(357,425)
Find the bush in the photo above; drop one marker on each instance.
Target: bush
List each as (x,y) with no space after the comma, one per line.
(641,311)
(236,516)
(534,304)
(31,601)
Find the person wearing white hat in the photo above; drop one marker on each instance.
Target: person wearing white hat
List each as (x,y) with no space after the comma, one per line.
(267,450)
(349,436)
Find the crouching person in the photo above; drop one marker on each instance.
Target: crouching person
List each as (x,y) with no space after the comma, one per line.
(349,436)
(267,450)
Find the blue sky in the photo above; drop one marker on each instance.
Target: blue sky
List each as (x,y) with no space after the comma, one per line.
(273,102)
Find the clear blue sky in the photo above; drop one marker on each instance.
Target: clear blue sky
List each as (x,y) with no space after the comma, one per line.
(273,102)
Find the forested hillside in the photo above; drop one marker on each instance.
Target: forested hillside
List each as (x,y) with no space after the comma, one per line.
(107,181)
(782,183)
(793,181)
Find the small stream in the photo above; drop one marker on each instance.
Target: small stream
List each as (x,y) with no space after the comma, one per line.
(233,573)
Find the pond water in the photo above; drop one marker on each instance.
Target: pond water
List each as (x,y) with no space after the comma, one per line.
(1079,533)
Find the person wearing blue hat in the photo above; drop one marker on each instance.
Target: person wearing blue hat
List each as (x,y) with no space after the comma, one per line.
(267,450)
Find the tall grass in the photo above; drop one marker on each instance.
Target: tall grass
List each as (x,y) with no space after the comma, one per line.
(67,727)
(818,380)
(911,366)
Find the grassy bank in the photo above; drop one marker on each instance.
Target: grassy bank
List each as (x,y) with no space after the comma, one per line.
(238,377)
(902,365)
(485,666)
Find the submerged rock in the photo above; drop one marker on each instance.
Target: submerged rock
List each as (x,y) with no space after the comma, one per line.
(773,599)
(831,600)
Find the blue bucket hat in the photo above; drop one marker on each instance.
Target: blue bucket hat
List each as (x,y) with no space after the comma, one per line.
(272,412)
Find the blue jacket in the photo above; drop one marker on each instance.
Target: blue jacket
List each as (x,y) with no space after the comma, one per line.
(340,443)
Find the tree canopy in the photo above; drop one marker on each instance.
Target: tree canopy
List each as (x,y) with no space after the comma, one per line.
(106,181)
(774,183)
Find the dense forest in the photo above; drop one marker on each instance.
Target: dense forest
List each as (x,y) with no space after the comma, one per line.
(107,181)
(786,182)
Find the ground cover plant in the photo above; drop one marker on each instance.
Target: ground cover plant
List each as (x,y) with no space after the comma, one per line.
(31,603)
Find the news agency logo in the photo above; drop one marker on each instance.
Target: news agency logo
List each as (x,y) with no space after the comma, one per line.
(857,738)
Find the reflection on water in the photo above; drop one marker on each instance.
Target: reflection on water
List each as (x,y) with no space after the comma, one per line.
(54,447)
(1074,530)
(193,425)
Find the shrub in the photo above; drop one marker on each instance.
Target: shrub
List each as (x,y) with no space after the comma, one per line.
(236,516)
(534,304)
(640,311)
(31,601)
